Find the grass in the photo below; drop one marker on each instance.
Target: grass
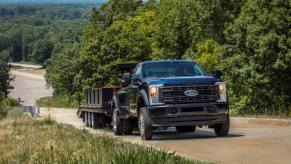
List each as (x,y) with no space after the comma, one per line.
(26,140)
(57,102)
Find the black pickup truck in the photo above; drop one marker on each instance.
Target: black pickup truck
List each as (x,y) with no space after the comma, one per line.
(171,93)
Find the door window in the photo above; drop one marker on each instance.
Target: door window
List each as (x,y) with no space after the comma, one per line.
(137,72)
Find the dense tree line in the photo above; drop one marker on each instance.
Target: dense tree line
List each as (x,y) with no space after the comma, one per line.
(249,40)
(34,32)
(4,75)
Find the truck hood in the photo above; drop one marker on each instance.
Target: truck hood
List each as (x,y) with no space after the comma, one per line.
(192,80)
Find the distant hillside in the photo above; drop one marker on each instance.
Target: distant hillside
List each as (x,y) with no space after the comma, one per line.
(50,1)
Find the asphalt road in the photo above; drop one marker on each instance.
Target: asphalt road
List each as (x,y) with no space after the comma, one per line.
(246,144)
(28,87)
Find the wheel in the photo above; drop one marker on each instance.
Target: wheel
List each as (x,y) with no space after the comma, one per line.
(117,124)
(83,117)
(101,121)
(90,119)
(145,125)
(183,129)
(95,121)
(86,119)
(222,129)
(127,126)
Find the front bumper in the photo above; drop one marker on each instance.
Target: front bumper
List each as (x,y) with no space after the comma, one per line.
(171,115)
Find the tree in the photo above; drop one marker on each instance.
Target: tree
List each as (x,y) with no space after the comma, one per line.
(184,23)
(4,74)
(128,40)
(42,51)
(61,71)
(207,55)
(258,58)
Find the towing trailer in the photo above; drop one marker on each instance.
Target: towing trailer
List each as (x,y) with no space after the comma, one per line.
(96,112)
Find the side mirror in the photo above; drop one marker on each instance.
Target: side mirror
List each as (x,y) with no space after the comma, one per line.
(126,79)
(217,74)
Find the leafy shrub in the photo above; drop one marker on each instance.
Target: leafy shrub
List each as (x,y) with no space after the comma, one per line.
(57,102)
(5,105)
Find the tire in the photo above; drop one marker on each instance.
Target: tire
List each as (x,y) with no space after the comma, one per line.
(184,129)
(83,117)
(90,119)
(222,129)
(86,119)
(95,121)
(101,121)
(117,124)
(145,125)
(127,126)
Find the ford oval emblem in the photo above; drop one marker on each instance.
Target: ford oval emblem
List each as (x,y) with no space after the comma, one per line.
(191,93)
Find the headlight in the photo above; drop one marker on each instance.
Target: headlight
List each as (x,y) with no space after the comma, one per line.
(221,92)
(154,94)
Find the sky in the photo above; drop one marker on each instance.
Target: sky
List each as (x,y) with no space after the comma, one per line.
(50,1)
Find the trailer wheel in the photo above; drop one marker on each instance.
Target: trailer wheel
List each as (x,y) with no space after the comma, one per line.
(117,124)
(86,119)
(101,120)
(127,126)
(145,125)
(83,117)
(91,119)
(95,122)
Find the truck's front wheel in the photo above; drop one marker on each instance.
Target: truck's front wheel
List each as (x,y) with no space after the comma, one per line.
(222,129)
(117,124)
(145,125)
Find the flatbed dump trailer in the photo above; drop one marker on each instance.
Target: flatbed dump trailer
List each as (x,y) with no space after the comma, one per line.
(97,112)
(98,109)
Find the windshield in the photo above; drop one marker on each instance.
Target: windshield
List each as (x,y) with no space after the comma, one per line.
(172,69)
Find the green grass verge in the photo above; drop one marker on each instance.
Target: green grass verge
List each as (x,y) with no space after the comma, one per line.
(26,140)
(57,102)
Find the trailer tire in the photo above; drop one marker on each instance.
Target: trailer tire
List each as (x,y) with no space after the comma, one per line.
(117,123)
(83,117)
(90,119)
(145,124)
(127,126)
(101,121)
(86,119)
(95,121)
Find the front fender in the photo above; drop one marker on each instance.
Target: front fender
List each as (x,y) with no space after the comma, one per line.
(143,95)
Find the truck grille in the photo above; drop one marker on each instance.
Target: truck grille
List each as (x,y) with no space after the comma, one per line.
(176,95)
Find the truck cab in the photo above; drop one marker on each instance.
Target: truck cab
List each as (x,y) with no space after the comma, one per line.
(170,93)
